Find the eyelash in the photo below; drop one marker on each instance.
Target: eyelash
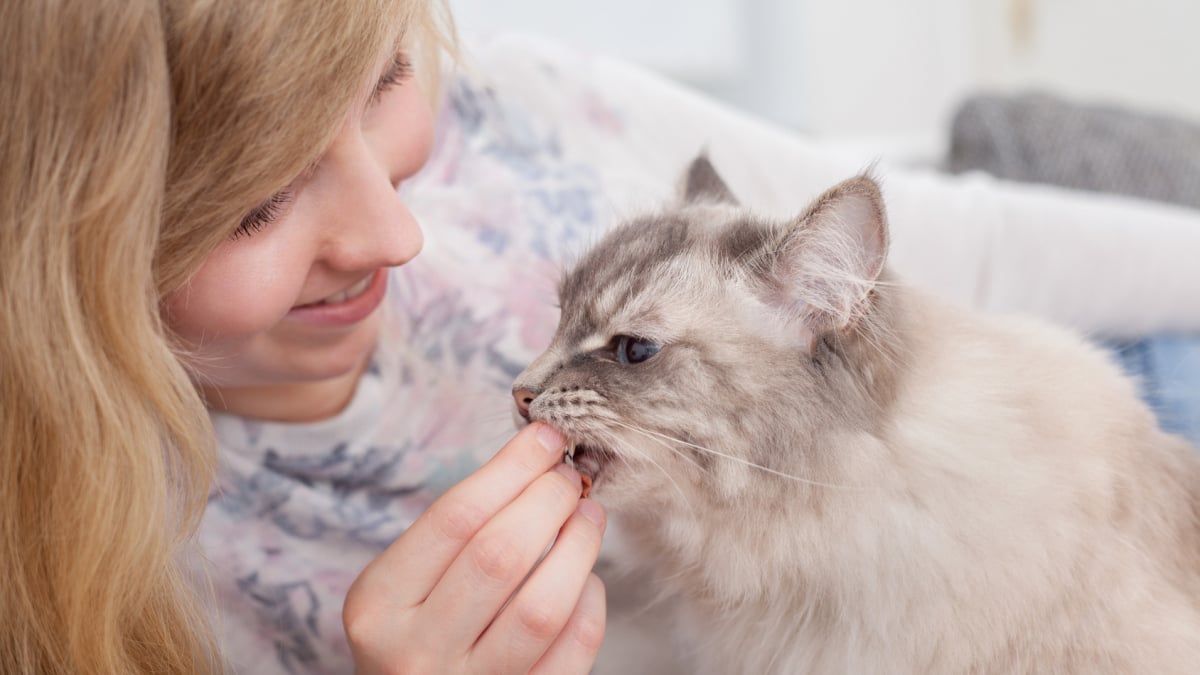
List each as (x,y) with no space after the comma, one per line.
(398,71)
(263,214)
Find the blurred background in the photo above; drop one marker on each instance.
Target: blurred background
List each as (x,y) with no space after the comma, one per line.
(886,74)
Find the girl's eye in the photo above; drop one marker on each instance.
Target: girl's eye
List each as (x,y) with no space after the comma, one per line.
(264,214)
(635,350)
(399,70)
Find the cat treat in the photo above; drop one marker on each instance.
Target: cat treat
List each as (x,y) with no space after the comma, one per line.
(584,479)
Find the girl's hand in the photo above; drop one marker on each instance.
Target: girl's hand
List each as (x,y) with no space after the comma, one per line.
(435,600)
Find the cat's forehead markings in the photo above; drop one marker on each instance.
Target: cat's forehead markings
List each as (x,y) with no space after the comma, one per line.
(647,277)
(740,240)
(612,296)
(644,289)
(630,247)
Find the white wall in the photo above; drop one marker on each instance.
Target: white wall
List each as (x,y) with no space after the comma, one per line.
(692,39)
(1135,52)
(883,72)
(876,69)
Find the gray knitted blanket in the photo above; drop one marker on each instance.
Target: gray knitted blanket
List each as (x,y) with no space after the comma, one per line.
(1039,138)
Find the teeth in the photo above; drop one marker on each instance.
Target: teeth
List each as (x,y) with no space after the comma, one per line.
(569,454)
(352,292)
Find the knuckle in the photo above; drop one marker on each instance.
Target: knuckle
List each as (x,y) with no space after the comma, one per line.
(367,643)
(498,559)
(538,621)
(358,626)
(588,632)
(457,519)
(588,624)
(361,615)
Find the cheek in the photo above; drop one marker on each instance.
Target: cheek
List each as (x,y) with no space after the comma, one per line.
(235,295)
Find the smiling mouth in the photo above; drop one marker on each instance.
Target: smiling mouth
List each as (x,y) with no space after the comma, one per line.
(347,307)
(346,295)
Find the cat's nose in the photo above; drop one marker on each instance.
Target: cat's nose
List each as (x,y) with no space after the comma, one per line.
(524,396)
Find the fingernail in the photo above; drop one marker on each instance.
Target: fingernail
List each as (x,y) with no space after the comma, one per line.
(592,511)
(552,439)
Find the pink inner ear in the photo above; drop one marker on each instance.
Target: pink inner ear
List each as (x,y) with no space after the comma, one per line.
(836,255)
(860,215)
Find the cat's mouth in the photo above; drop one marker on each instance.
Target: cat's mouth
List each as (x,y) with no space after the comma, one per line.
(587,460)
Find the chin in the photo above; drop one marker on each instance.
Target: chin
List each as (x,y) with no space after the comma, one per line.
(331,357)
(332,364)
(287,360)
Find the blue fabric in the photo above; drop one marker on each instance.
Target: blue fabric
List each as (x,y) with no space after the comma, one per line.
(1168,369)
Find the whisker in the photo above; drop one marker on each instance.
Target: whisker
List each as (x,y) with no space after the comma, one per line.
(660,441)
(634,450)
(748,463)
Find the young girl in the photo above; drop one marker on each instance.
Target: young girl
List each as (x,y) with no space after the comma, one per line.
(197,208)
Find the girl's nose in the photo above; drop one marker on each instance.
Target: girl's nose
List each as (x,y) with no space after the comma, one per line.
(372,225)
(367,225)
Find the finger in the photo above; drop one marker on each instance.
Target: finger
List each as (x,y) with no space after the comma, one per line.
(430,545)
(578,645)
(537,614)
(499,557)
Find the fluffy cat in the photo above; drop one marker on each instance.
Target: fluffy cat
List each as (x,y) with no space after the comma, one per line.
(834,473)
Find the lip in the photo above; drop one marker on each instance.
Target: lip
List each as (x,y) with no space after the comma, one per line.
(349,312)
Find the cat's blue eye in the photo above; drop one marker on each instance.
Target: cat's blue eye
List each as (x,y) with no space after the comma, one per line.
(635,350)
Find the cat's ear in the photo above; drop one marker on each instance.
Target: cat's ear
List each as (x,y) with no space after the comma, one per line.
(828,260)
(701,182)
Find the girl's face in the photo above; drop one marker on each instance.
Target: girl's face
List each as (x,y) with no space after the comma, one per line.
(283,317)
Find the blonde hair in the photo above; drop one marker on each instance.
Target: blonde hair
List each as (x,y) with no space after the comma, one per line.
(136,134)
